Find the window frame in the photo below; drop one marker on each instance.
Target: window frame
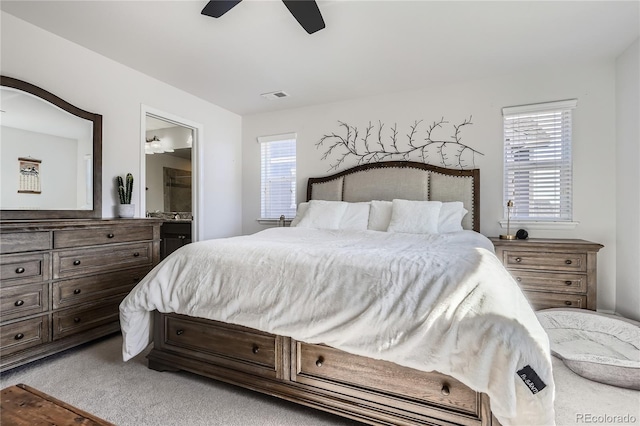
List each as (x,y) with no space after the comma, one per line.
(267,215)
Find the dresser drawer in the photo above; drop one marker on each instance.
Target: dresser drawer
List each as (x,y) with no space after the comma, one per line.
(541,300)
(24,334)
(323,366)
(24,269)
(570,262)
(561,282)
(18,242)
(23,300)
(105,235)
(70,263)
(75,320)
(96,287)
(220,341)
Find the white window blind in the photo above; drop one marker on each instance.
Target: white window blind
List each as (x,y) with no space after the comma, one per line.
(537,161)
(278,176)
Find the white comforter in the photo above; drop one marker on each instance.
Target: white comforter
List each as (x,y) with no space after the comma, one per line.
(429,302)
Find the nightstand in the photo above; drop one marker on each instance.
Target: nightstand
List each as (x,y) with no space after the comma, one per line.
(553,273)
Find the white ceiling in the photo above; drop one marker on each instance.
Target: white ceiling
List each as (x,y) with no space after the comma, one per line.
(367,47)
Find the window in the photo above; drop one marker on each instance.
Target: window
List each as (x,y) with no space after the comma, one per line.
(278,176)
(537,161)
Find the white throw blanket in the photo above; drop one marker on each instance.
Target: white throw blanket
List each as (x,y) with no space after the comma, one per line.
(430,302)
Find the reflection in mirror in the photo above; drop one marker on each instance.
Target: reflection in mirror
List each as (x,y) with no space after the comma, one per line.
(50,155)
(168,169)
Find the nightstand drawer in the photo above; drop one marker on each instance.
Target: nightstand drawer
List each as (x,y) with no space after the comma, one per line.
(565,283)
(24,334)
(570,262)
(540,300)
(69,263)
(23,300)
(24,269)
(97,236)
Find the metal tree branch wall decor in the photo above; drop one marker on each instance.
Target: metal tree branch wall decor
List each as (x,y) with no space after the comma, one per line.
(387,144)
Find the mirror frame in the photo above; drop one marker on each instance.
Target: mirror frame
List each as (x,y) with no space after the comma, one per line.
(96,119)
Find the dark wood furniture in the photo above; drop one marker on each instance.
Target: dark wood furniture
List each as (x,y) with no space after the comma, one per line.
(553,273)
(63,280)
(22,405)
(173,235)
(360,388)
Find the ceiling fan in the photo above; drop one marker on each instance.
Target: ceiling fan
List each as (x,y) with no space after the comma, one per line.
(306,12)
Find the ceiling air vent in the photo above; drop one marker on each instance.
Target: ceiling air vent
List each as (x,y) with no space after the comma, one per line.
(275,95)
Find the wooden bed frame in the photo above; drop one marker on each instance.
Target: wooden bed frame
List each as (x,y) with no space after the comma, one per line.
(370,391)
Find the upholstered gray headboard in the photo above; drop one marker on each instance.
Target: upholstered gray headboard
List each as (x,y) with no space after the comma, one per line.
(402,179)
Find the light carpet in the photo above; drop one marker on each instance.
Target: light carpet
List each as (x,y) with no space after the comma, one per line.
(94,378)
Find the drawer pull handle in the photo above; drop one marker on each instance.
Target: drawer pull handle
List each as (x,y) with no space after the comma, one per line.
(179,332)
(518,259)
(568,262)
(76,262)
(136,254)
(77,291)
(20,270)
(567,302)
(18,336)
(77,319)
(445,390)
(568,282)
(255,349)
(110,235)
(519,279)
(320,361)
(19,302)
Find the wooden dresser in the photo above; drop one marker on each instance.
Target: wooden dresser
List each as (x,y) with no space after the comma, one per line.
(553,273)
(62,281)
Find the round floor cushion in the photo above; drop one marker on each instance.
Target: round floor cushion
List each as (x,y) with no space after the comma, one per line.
(599,347)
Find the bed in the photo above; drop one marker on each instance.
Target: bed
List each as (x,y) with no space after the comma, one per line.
(385,325)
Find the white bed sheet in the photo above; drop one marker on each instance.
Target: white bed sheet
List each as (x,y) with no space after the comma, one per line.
(430,302)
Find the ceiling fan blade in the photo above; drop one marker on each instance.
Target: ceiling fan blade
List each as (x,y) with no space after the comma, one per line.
(306,13)
(217,8)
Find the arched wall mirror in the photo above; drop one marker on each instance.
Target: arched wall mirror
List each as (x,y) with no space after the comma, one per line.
(50,156)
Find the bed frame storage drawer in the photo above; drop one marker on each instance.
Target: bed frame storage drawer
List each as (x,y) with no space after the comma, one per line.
(22,300)
(325,367)
(69,263)
(97,236)
(24,269)
(221,343)
(24,334)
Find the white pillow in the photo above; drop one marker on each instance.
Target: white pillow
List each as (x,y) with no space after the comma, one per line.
(355,217)
(416,217)
(450,219)
(379,215)
(302,208)
(323,214)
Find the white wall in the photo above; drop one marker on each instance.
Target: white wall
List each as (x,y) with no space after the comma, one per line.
(593,143)
(98,84)
(628,182)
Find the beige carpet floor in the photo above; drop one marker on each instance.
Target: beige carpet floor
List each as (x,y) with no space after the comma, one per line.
(94,378)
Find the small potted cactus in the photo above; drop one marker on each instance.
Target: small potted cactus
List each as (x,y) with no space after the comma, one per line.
(125,188)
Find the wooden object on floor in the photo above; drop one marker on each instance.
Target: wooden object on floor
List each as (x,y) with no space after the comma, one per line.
(23,405)
(553,273)
(62,281)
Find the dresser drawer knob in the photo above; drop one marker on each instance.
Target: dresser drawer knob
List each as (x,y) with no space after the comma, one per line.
(519,279)
(568,262)
(255,349)
(319,362)
(568,282)
(18,336)
(20,270)
(445,390)
(77,319)
(567,302)
(179,332)
(76,262)
(110,235)
(77,291)
(518,259)
(136,254)
(19,302)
